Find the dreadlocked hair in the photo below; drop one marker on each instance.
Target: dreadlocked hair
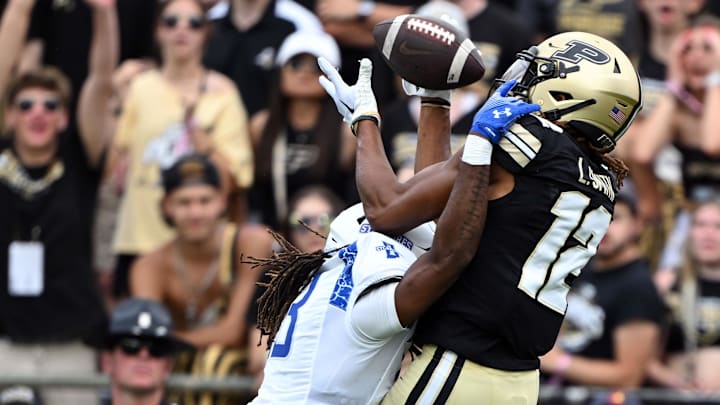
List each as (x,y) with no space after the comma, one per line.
(616,165)
(290,270)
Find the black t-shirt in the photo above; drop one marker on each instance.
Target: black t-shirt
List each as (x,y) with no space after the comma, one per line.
(248,57)
(490,31)
(615,20)
(707,317)
(60,217)
(506,308)
(66,30)
(311,157)
(652,80)
(700,173)
(604,301)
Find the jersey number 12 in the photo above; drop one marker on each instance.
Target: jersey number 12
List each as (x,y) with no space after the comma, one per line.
(544,272)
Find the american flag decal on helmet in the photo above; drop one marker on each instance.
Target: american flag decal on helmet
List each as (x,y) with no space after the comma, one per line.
(617,115)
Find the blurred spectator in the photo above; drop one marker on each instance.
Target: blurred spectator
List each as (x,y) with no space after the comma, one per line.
(616,20)
(686,116)
(692,351)
(244,43)
(314,206)
(658,183)
(300,139)
(49,299)
(60,35)
(112,184)
(179,108)
(138,352)
(489,27)
(613,320)
(199,275)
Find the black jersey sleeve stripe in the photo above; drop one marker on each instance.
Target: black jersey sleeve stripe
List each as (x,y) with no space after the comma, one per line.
(450,382)
(425,377)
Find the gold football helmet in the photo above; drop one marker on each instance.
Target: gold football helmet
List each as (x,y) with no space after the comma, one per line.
(581,79)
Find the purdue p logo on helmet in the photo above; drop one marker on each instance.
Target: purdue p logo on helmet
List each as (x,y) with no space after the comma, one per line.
(581,79)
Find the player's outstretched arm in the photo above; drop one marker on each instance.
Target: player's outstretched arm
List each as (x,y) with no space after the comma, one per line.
(434,127)
(390,206)
(463,219)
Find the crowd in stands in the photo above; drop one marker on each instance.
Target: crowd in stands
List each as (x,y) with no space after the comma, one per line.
(110,108)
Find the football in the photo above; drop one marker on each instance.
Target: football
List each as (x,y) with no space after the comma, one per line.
(428,52)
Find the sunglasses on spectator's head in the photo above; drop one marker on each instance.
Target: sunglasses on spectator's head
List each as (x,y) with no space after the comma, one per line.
(195,22)
(132,346)
(27,104)
(304,61)
(319,223)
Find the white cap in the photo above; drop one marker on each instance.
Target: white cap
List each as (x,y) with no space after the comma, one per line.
(312,42)
(446,11)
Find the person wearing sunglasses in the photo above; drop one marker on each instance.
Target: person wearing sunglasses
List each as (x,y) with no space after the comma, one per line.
(169,112)
(312,209)
(138,351)
(49,176)
(299,139)
(246,37)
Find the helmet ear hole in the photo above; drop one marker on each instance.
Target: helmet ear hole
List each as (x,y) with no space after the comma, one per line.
(560,95)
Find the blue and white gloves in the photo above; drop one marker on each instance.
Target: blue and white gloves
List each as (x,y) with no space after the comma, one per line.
(491,123)
(355,103)
(499,113)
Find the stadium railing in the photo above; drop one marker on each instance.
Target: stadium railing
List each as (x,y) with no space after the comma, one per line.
(549,395)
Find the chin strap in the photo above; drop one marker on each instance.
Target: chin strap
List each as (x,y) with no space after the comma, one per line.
(556,114)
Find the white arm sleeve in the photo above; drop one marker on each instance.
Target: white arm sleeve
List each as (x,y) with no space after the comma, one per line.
(374,317)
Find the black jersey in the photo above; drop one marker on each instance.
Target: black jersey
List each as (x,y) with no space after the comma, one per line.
(507,307)
(707,317)
(700,173)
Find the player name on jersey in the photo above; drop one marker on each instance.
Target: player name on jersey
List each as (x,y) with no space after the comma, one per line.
(600,182)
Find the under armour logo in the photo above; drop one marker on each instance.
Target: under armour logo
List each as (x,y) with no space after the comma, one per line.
(497,113)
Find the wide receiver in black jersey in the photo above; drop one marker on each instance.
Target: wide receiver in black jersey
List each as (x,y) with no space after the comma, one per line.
(552,191)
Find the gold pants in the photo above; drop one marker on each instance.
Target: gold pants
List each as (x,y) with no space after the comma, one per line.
(437,377)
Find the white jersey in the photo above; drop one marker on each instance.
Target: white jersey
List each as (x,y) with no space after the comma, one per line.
(329,350)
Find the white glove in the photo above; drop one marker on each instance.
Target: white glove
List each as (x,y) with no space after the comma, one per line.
(354,103)
(414,90)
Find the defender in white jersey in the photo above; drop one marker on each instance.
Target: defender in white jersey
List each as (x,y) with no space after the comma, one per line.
(332,348)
